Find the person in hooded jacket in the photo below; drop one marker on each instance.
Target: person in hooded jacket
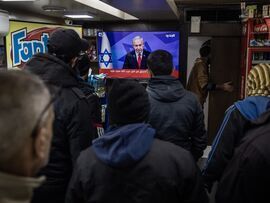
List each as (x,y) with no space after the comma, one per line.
(247,177)
(175,112)
(73,128)
(127,164)
(236,122)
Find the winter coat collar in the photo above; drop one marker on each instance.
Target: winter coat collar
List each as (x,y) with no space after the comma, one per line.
(52,70)
(16,189)
(165,88)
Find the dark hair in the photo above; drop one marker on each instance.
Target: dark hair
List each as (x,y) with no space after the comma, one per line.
(205,48)
(160,62)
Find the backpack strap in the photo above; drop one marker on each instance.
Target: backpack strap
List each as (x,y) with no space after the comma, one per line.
(79,93)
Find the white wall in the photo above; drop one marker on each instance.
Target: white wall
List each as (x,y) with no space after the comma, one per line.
(194,44)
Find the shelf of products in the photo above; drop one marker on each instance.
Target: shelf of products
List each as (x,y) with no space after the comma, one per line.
(92,51)
(2,56)
(255,40)
(90,34)
(99,83)
(3,61)
(258,50)
(255,62)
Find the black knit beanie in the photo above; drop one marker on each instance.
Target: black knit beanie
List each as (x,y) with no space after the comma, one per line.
(64,43)
(127,102)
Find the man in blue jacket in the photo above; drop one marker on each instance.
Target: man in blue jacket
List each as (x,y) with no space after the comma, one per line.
(175,113)
(247,177)
(236,122)
(127,164)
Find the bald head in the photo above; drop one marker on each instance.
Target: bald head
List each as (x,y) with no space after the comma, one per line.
(23,98)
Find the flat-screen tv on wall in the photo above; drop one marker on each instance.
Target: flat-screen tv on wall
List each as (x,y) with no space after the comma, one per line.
(116,47)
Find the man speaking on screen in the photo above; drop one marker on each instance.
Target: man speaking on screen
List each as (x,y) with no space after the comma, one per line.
(136,59)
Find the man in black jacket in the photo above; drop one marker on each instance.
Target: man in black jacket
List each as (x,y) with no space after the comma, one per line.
(73,128)
(127,164)
(175,113)
(246,179)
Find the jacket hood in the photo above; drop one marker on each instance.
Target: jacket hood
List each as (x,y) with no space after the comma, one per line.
(252,107)
(165,88)
(52,70)
(124,146)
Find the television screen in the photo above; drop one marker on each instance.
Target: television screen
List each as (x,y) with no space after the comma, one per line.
(117,57)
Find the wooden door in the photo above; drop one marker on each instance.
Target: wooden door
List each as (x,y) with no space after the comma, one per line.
(225,66)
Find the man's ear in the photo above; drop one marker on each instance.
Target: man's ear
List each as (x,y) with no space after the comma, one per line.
(40,143)
(39,149)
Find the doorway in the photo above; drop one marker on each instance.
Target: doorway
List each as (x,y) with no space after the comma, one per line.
(225,66)
(194,44)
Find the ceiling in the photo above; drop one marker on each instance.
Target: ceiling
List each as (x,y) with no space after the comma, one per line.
(142,9)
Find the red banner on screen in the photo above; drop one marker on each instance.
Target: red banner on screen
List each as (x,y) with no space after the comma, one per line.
(125,73)
(129,73)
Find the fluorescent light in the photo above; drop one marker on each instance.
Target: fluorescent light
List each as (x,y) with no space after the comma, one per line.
(174,8)
(49,8)
(17,0)
(79,16)
(99,5)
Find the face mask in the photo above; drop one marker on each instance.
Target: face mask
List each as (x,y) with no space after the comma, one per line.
(82,64)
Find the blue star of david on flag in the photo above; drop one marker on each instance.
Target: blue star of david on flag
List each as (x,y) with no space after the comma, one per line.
(106,57)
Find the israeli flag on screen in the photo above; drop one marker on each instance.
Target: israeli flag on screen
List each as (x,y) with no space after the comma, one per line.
(105,55)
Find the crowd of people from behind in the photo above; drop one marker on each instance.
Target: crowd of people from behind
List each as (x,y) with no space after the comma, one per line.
(51,150)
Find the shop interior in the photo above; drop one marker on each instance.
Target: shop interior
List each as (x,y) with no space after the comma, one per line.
(240,34)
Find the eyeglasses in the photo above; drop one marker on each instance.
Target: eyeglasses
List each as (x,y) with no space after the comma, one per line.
(46,108)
